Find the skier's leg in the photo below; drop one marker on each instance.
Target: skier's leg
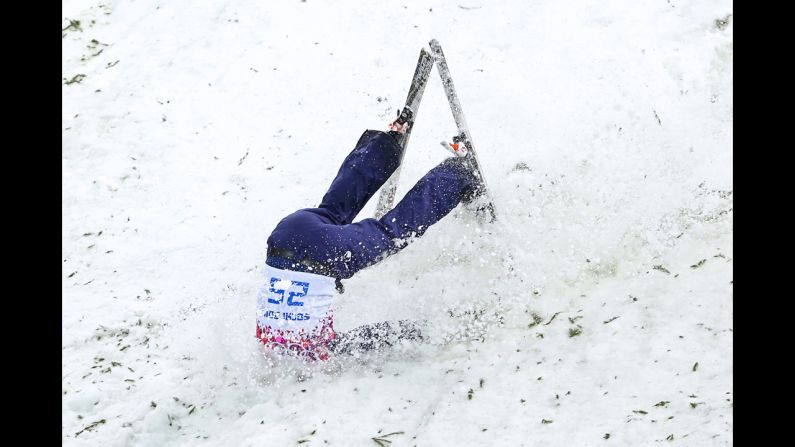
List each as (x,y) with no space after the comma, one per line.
(368,241)
(431,198)
(364,170)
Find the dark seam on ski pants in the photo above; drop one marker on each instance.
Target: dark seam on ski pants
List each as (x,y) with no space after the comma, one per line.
(327,234)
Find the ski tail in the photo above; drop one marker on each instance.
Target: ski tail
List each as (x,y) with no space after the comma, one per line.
(463,129)
(424,65)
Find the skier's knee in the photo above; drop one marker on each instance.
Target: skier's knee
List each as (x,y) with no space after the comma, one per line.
(459,167)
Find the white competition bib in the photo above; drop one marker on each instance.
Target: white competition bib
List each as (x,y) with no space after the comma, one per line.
(294,303)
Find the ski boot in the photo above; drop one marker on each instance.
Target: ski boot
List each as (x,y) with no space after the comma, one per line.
(472,199)
(401,124)
(458,147)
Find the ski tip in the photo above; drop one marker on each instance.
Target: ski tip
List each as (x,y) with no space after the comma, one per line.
(436,49)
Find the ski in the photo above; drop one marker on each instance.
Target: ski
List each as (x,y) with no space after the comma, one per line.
(408,114)
(463,130)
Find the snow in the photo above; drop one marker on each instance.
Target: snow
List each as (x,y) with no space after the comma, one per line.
(605,133)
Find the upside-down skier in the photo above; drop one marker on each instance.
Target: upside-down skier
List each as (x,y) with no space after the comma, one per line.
(311,250)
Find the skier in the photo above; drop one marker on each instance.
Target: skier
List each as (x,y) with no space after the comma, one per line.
(312,249)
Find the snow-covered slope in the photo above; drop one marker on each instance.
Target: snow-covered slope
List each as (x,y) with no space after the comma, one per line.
(596,311)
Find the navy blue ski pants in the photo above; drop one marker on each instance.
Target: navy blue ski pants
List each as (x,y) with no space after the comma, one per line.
(327,234)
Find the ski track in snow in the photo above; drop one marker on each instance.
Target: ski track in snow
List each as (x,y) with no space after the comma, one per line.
(597,310)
